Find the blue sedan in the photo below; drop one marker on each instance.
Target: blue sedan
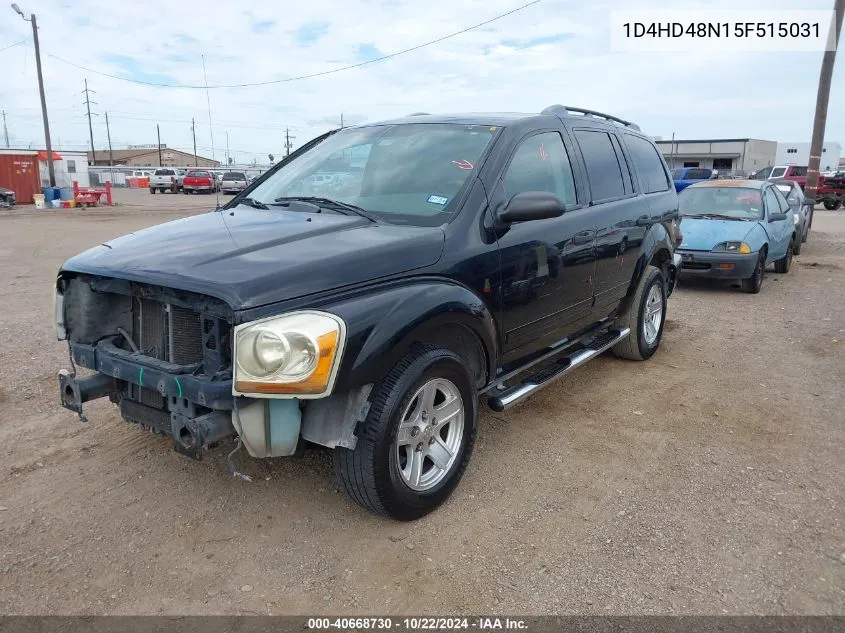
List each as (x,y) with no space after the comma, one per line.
(733,229)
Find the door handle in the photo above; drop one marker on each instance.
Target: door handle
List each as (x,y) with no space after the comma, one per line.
(643,220)
(584,237)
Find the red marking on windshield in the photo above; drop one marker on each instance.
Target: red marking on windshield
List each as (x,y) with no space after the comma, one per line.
(463,164)
(543,154)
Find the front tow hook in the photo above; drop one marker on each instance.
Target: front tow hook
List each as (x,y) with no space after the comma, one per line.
(76,391)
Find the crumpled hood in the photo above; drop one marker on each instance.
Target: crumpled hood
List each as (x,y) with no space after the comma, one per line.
(250,257)
(702,234)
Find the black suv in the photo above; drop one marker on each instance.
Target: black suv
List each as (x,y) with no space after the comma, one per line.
(369,290)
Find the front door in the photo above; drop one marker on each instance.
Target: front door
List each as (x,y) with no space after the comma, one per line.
(547,265)
(780,231)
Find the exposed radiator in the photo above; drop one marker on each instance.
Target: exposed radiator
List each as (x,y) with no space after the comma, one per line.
(165,332)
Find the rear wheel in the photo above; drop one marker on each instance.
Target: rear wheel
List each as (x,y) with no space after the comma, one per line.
(152,190)
(832,205)
(417,439)
(645,318)
(783,264)
(754,283)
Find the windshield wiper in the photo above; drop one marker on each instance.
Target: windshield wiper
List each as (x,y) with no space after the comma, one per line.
(328,203)
(251,202)
(719,216)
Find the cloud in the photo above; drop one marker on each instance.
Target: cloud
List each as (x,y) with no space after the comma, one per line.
(262,25)
(557,51)
(311,32)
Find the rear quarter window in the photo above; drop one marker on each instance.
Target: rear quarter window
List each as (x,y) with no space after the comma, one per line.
(603,170)
(648,164)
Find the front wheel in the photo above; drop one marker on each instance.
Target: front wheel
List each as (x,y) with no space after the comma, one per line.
(415,444)
(645,318)
(783,264)
(152,190)
(754,283)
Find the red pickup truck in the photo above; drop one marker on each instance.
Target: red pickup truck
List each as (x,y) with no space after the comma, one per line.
(199,180)
(830,191)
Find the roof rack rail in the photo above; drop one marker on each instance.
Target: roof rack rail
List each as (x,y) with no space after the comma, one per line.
(419,113)
(565,110)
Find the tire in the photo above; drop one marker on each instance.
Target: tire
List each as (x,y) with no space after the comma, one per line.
(174,189)
(783,264)
(807,223)
(641,317)
(832,205)
(796,245)
(152,190)
(754,283)
(379,473)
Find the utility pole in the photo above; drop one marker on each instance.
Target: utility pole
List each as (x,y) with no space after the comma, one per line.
(5,131)
(88,103)
(108,134)
(822,98)
(158,135)
(288,143)
(51,173)
(228,162)
(672,153)
(341,120)
(194,133)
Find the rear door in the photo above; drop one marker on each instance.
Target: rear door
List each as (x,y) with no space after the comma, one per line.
(620,215)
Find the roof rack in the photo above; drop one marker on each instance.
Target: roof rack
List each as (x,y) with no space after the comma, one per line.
(561,110)
(418,113)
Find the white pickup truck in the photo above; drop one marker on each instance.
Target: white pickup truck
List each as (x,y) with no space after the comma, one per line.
(166,179)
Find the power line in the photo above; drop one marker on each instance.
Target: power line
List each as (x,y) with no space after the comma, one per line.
(5,48)
(300,77)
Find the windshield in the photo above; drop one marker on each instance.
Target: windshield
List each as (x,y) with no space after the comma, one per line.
(677,174)
(408,174)
(735,202)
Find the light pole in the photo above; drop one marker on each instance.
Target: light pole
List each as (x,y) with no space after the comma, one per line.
(51,173)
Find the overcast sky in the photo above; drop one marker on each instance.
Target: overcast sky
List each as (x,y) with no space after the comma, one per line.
(556,51)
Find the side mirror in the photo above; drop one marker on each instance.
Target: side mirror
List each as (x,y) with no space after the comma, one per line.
(809,202)
(531,205)
(777,217)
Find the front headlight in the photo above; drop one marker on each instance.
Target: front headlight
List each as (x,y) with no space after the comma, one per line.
(733,247)
(292,354)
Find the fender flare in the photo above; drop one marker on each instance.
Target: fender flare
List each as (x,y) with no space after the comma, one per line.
(384,323)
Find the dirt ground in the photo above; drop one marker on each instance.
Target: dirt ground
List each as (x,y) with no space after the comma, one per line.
(708,480)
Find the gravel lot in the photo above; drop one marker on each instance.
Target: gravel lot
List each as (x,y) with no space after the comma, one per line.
(710,479)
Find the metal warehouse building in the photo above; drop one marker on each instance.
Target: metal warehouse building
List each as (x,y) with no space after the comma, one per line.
(726,154)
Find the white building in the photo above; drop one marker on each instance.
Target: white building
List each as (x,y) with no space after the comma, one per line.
(67,166)
(799,154)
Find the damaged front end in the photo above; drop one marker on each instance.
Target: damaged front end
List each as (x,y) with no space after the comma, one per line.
(161,355)
(165,358)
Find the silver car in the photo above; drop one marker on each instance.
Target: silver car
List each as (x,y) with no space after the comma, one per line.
(233,182)
(801,206)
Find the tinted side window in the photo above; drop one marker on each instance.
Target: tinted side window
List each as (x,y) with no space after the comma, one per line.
(603,169)
(648,164)
(777,172)
(541,164)
(799,171)
(677,174)
(623,165)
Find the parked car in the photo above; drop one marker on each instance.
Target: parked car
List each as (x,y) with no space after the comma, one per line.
(683,177)
(164,179)
(733,229)
(802,208)
(830,190)
(233,182)
(375,323)
(199,180)
(7,198)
